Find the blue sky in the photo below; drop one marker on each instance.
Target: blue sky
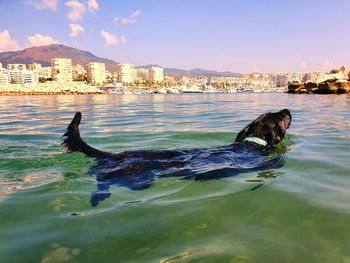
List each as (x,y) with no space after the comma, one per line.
(240,36)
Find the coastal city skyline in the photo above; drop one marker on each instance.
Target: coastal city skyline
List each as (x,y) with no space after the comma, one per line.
(62,76)
(221,35)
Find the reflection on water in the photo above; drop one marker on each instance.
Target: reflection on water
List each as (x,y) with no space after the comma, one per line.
(297,213)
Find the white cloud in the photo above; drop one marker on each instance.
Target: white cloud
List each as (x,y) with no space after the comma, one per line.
(46,4)
(40,40)
(136,13)
(111,39)
(92,5)
(77,10)
(128,20)
(7,43)
(76,29)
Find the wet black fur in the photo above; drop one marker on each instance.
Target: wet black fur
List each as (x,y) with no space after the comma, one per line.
(137,169)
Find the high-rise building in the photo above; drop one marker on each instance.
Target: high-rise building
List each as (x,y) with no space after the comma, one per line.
(34,66)
(96,72)
(78,72)
(61,69)
(16,67)
(45,72)
(23,76)
(142,74)
(4,76)
(126,73)
(156,74)
(314,75)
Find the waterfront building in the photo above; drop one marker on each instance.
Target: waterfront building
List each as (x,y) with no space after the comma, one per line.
(23,76)
(4,75)
(34,66)
(283,78)
(96,72)
(156,74)
(109,74)
(61,69)
(168,80)
(142,74)
(78,72)
(314,75)
(16,67)
(30,77)
(109,77)
(184,80)
(255,82)
(45,72)
(126,73)
(16,76)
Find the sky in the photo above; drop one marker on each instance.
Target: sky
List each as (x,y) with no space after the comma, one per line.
(240,36)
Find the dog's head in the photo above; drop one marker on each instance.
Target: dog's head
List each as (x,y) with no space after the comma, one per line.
(270,127)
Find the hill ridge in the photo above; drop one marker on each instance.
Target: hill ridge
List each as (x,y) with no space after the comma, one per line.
(44,54)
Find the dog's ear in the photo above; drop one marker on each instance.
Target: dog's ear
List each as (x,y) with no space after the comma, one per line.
(284,121)
(282,124)
(241,135)
(250,128)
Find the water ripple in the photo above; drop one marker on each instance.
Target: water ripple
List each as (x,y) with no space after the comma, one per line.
(299,212)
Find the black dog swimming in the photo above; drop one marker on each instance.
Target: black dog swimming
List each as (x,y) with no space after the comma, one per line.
(138,169)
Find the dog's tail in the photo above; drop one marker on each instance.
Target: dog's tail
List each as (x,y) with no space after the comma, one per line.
(72,141)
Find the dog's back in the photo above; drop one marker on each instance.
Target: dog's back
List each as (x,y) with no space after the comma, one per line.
(138,169)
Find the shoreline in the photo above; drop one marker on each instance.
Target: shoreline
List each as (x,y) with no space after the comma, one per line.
(53,88)
(84,89)
(16,93)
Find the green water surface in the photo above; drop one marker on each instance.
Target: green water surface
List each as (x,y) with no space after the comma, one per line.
(300,214)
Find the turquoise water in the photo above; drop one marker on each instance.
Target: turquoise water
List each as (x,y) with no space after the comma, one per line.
(301,214)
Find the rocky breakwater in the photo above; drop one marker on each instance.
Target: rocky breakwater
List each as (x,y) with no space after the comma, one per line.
(336,82)
(48,88)
(327,87)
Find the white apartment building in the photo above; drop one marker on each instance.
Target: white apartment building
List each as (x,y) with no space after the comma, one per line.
(4,75)
(142,74)
(45,72)
(16,66)
(61,69)
(23,76)
(309,76)
(78,72)
(156,74)
(0,65)
(96,72)
(34,66)
(126,73)
(109,74)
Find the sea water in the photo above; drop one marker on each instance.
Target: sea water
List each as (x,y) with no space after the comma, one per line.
(301,213)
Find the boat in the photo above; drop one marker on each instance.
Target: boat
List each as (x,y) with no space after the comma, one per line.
(160,91)
(191,89)
(173,90)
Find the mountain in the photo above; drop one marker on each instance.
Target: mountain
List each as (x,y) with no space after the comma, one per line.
(197,72)
(44,54)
